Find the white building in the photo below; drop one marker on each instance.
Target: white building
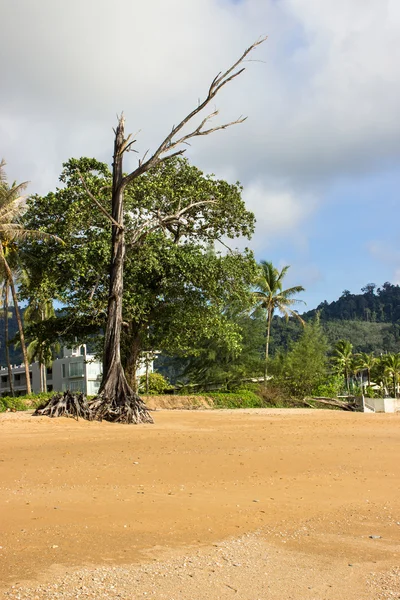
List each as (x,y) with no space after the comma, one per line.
(77,371)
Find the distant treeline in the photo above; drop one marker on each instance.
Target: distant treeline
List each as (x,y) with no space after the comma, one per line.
(374,305)
(370,321)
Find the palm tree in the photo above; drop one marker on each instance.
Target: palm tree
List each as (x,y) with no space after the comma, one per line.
(12,207)
(343,360)
(6,316)
(270,296)
(392,369)
(366,362)
(37,311)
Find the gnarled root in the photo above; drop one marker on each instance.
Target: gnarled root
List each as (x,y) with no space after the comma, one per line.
(127,409)
(118,403)
(66,405)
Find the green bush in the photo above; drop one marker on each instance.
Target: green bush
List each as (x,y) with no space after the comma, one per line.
(242,398)
(23,402)
(370,392)
(330,389)
(157,384)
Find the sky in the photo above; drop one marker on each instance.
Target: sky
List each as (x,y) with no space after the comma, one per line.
(318,155)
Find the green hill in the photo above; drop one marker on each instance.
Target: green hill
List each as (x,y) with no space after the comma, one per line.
(369,320)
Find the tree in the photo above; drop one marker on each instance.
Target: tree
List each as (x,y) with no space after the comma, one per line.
(366,362)
(270,296)
(225,365)
(39,310)
(176,284)
(12,208)
(343,360)
(392,369)
(116,400)
(6,316)
(305,367)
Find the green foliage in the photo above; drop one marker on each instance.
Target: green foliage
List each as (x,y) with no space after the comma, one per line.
(374,305)
(176,286)
(157,384)
(270,296)
(223,365)
(365,336)
(23,402)
(305,367)
(242,398)
(331,388)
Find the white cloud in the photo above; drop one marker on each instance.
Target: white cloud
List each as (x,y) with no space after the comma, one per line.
(387,253)
(323,102)
(279,212)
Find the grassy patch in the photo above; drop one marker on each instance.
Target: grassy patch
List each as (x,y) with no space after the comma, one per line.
(23,402)
(238,399)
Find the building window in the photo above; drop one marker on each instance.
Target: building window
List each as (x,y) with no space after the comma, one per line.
(49,388)
(76,369)
(17,377)
(63,370)
(76,386)
(4,378)
(49,370)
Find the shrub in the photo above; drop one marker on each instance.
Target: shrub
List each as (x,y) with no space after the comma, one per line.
(242,398)
(330,389)
(157,384)
(23,402)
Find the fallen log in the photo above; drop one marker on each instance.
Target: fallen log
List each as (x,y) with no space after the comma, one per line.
(334,402)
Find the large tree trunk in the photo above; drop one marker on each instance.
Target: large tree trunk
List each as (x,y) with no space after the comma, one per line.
(116,400)
(21,333)
(10,374)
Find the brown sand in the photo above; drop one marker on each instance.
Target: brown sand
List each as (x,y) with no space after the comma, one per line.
(80,503)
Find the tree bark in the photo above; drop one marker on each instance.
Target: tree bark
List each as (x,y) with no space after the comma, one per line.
(10,375)
(116,400)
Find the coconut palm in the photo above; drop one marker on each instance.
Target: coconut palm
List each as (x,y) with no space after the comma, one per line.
(270,296)
(12,207)
(392,369)
(366,362)
(5,292)
(343,360)
(37,311)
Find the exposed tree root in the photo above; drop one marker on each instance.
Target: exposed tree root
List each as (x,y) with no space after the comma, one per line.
(117,402)
(124,409)
(66,405)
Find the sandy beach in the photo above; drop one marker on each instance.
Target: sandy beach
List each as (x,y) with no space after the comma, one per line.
(249,504)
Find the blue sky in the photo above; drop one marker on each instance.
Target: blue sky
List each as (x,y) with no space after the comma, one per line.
(318,156)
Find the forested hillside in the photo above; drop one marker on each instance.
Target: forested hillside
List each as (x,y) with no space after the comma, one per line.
(369,320)
(374,305)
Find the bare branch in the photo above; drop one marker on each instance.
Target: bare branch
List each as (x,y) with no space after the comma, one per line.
(159,221)
(98,204)
(172,141)
(224,245)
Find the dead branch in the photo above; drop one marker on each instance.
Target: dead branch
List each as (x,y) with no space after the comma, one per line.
(334,402)
(172,141)
(98,204)
(166,221)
